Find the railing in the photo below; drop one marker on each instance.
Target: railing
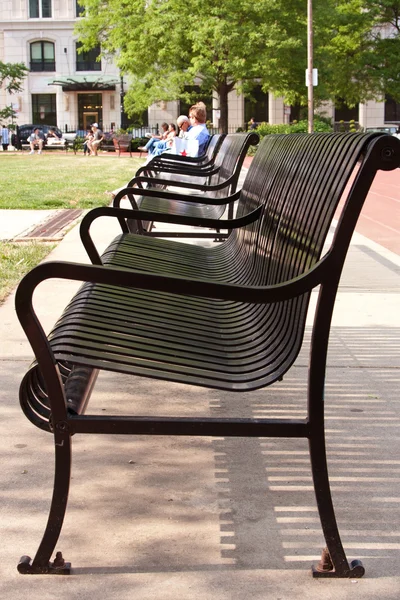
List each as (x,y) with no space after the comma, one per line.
(37,66)
(88,65)
(136,132)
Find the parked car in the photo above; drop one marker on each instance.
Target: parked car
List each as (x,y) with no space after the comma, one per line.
(391,129)
(26,130)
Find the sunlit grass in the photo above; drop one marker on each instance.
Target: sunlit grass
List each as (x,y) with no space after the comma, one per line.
(61,180)
(18,259)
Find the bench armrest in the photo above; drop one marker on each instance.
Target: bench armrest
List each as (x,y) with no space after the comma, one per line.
(178,285)
(190,185)
(178,160)
(196,171)
(143,215)
(167,195)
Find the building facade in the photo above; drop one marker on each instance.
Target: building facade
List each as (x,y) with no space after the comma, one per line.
(72,90)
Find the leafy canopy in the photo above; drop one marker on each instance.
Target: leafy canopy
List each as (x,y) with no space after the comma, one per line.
(11,76)
(166,44)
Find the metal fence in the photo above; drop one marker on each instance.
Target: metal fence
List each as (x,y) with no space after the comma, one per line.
(137,132)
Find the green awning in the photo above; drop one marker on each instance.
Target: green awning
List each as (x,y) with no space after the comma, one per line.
(85,83)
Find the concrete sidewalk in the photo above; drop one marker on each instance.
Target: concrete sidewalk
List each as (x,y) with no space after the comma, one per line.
(187,518)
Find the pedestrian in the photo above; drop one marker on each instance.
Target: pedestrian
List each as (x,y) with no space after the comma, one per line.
(5,138)
(252,123)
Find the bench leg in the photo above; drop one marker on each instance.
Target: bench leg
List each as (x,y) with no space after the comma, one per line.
(333,560)
(41,563)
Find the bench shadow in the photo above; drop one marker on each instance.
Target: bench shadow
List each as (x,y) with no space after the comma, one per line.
(263,513)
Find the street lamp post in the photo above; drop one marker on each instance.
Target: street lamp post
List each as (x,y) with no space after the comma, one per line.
(310,94)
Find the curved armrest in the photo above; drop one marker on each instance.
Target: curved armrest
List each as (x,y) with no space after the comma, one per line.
(173,284)
(191,185)
(144,215)
(178,170)
(201,161)
(167,195)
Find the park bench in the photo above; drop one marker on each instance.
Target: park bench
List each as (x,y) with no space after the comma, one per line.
(218,191)
(230,317)
(122,143)
(171,162)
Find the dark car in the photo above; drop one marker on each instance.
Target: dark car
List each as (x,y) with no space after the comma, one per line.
(26,130)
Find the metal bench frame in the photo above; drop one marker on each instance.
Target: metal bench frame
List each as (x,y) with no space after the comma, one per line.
(290,176)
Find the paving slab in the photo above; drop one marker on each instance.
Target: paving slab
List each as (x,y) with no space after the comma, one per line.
(16,223)
(202,518)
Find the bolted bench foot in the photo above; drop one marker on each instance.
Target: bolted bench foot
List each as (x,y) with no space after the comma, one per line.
(326,569)
(57,567)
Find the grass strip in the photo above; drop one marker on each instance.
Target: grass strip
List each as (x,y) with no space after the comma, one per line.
(18,259)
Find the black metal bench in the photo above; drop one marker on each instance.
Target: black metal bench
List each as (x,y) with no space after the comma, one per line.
(230,317)
(176,161)
(219,190)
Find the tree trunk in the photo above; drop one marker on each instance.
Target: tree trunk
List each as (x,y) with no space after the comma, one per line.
(223,90)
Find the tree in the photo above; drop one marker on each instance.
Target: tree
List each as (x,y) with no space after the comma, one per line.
(11,76)
(166,45)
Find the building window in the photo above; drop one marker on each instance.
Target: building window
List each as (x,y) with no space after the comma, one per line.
(42,56)
(44,109)
(40,9)
(79,9)
(256,106)
(87,61)
(344,112)
(392,110)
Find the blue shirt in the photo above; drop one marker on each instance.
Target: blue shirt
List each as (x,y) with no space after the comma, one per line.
(200,133)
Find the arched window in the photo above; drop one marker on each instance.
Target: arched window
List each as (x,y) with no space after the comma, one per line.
(42,56)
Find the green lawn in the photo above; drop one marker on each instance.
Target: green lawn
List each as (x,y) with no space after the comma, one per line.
(16,260)
(61,180)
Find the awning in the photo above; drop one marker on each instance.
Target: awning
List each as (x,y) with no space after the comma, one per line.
(85,83)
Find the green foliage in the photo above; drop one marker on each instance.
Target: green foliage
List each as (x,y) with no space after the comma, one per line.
(137,143)
(164,46)
(11,76)
(296,127)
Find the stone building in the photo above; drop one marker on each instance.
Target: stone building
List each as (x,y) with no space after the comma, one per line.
(73,90)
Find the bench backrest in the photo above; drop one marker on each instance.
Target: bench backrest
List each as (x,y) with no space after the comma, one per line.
(213,146)
(299,179)
(229,161)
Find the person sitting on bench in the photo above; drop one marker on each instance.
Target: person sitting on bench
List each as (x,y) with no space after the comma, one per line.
(198,130)
(94,144)
(36,140)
